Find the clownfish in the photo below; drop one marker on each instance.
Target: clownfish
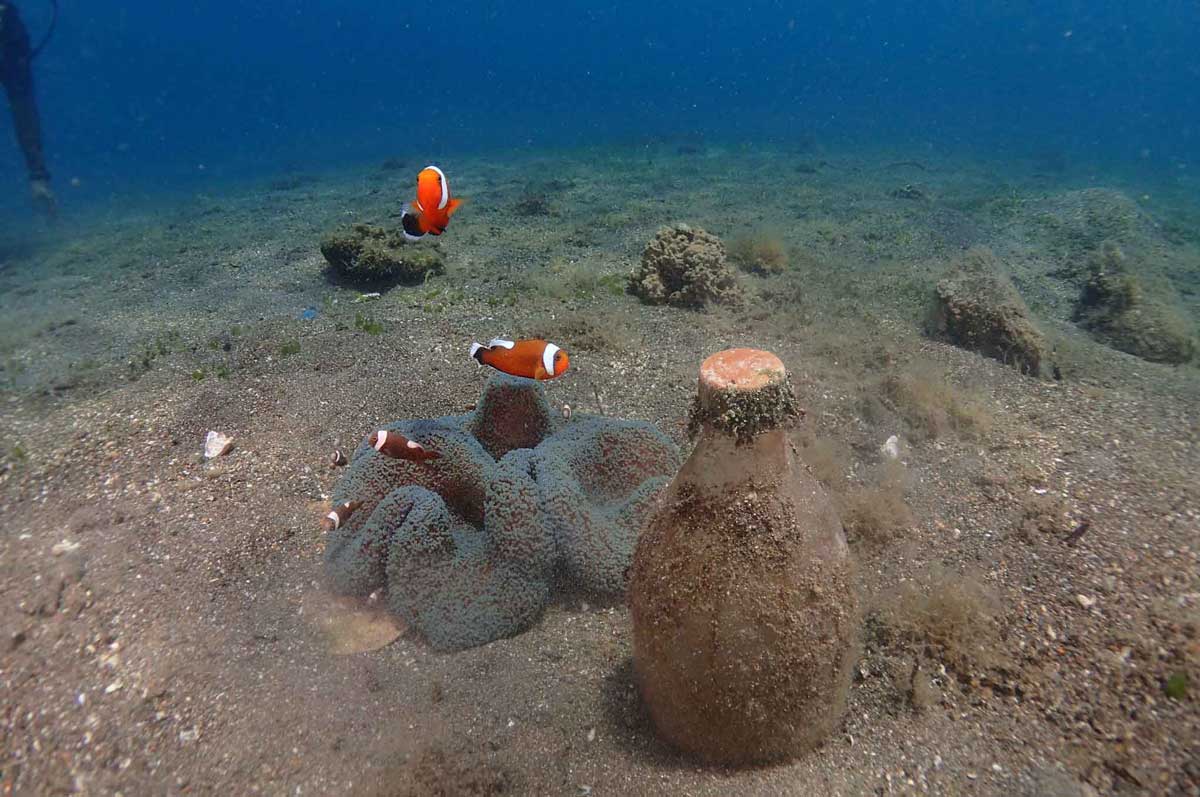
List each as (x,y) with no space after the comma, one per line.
(431,211)
(397,446)
(532,359)
(339,515)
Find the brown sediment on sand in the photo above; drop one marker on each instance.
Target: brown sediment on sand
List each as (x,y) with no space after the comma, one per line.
(167,591)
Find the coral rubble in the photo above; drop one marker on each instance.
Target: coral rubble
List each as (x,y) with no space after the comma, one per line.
(370,256)
(978,308)
(686,267)
(468,546)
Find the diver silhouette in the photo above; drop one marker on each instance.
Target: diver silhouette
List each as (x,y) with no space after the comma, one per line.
(16,74)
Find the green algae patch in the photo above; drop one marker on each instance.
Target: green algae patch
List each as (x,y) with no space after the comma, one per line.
(365,255)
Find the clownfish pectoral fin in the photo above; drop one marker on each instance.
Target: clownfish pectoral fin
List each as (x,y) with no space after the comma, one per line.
(411,224)
(453,205)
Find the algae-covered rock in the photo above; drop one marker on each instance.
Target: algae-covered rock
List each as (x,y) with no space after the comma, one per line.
(978,308)
(685,267)
(1131,313)
(363,254)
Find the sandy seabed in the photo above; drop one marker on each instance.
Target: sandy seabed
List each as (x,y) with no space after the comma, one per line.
(1031,574)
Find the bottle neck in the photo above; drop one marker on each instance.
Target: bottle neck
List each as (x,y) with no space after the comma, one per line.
(718,462)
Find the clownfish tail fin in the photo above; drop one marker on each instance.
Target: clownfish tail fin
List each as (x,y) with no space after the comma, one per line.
(477,353)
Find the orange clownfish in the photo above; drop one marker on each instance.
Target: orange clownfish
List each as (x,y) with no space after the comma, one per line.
(431,210)
(397,446)
(532,359)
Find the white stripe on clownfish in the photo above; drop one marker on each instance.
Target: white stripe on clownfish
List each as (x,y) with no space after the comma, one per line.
(548,358)
(501,342)
(380,439)
(445,186)
(335,520)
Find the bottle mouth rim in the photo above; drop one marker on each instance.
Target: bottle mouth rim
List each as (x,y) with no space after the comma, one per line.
(742,370)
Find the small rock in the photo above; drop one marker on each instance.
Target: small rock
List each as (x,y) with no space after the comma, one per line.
(1085,601)
(190,735)
(591,735)
(891,448)
(217,444)
(113,687)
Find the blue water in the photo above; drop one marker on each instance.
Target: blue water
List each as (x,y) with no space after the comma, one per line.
(142,96)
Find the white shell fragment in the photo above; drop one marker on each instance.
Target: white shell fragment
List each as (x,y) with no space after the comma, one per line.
(217,444)
(66,546)
(891,448)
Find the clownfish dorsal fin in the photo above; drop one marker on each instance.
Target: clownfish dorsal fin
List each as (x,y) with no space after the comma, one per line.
(500,342)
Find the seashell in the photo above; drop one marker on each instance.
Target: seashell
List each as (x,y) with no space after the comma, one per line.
(217,444)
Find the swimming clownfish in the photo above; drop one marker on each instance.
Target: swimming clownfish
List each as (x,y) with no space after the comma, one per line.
(397,446)
(431,210)
(339,515)
(532,359)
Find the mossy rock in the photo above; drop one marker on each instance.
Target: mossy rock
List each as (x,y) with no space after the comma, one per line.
(370,256)
(1132,313)
(685,266)
(978,308)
